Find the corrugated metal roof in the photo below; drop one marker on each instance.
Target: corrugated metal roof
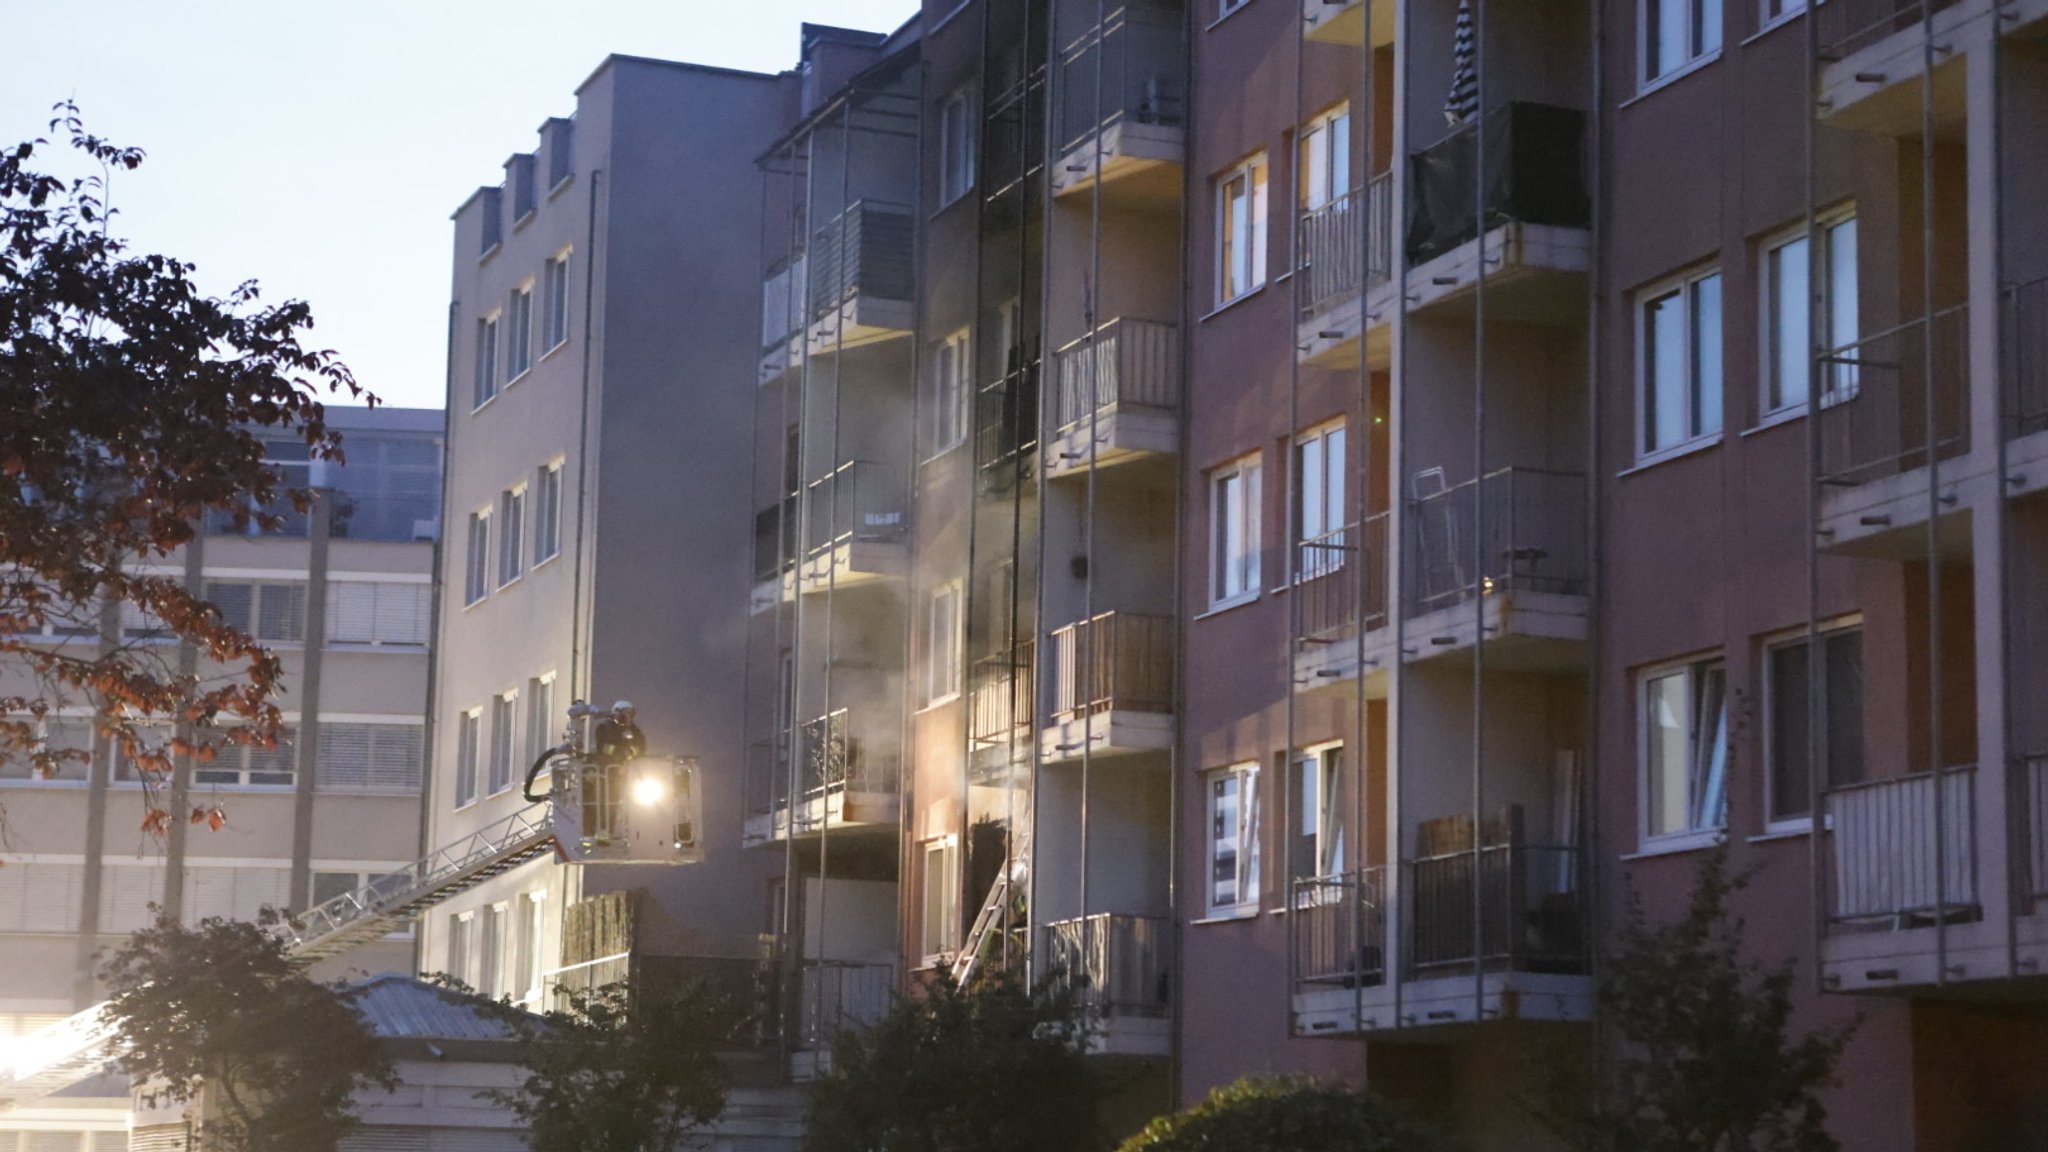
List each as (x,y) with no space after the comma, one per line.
(400,1007)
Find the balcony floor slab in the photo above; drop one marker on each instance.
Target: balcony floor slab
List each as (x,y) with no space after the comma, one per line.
(854,563)
(1343,22)
(1331,665)
(1443,1002)
(1876,88)
(1525,631)
(1535,274)
(1117,435)
(859,322)
(839,811)
(1139,164)
(1115,732)
(1131,1038)
(1336,335)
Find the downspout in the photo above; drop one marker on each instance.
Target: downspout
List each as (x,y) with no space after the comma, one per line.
(579,676)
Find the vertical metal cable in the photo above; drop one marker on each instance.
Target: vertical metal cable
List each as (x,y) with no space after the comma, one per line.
(1479,126)
(1816,364)
(1930,413)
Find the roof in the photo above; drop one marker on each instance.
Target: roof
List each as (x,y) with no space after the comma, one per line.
(398,1007)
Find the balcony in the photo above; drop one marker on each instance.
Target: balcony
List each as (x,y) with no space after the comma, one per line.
(1347,250)
(2024,361)
(1001,710)
(1120,96)
(1343,22)
(1118,970)
(1872,63)
(1006,430)
(1340,590)
(1517,541)
(782,310)
(1117,397)
(1113,688)
(775,529)
(1537,247)
(1889,403)
(1497,934)
(835,996)
(1903,872)
(861,282)
(846,776)
(857,528)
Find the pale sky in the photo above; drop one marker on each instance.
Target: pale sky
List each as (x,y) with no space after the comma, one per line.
(318,146)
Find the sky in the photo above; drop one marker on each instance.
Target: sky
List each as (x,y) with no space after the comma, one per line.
(319,147)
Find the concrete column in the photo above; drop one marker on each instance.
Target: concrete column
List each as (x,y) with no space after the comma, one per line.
(94,873)
(180,802)
(320,529)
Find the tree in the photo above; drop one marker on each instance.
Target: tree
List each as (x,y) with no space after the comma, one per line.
(991,1068)
(620,1072)
(1707,1060)
(219,1015)
(1265,1114)
(136,405)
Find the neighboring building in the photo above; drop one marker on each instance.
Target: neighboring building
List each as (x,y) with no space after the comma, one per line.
(344,598)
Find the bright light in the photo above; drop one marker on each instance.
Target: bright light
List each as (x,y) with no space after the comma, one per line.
(649,790)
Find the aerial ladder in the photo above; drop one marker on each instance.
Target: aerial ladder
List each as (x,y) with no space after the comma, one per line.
(606,802)
(1005,909)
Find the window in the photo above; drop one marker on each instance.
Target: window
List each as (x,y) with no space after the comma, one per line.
(1234,532)
(460,926)
(941,897)
(1226,7)
(237,765)
(1685,749)
(1241,229)
(531,937)
(1325,173)
(468,746)
(511,535)
(540,715)
(547,514)
(1775,10)
(333,885)
(489,950)
(1319,500)
(1233,812)
(504,721)
(1794,302)
(486,360)
(1315,845)
(56,736)
(150,738)
(956,148)
(1680,334)
(519,333)
(378,612)
(477,575)
(949,393)
(1677,32)
(1788,754)
(554,302)
(369,756)
(942,644)
(272,610)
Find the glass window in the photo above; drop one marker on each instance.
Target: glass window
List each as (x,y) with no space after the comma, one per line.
(1680,334)
(1677,32)
(941,897)
(490,949)
(547,514)
(368,756)
(1792,302)
(956,148)
(554,286)
(942,644)
(468,747)
(504,732)
(1789,750)
(1319,500)
(519,332)
(1234,531)
(1315,845)
(1241,229)
(511,535)
(541,728)
(949,393)
(1233,816)
(1685,749)
(528,958)
(459,926)
(1326,158)
(249,764)
(486,360)
(477,571)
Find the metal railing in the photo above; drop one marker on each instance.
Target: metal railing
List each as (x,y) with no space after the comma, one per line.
(835,996)
(1000,698)
(774,539)
(1328,587)
(834,754)
(1874,395)
(1114,661)
(1337,930)
(1006,418)
(1886,863)
(857,501)
(1534,537)
(1531,915)
(1849,26)
(1112,964)
(863,251)
(2026,356)
(1139,52)
(1127,362)
(1349,242)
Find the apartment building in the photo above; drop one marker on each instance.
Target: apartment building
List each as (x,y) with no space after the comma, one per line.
(343,596)
(597,489)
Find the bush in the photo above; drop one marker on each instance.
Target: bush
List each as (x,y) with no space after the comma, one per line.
(1265,1114)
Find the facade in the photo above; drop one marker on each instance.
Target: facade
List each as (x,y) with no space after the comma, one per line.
(344,597)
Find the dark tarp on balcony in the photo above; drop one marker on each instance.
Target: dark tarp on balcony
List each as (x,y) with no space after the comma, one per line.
(1535,174)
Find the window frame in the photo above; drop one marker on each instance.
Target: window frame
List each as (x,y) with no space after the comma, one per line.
(952,370)
(476,573)
(501,765)
(1821,298)
(1255,172)
(1245,880)
(484,389)
(1774,823)
(941,858)
(547,513)
(555,302)
(1333,519)
(1649,839)
(519,333)
(511,548)
(943,617)
(1327,842)
(1706,422)
(469,734)
(540,707)
(1332,127)
(958,156)
(1704,40)
(1246,470)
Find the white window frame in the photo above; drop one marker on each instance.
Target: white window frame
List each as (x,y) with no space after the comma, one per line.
(956,147)
(1241,271)
(1326,137)
(1825,300)
(942,631)
(547,513)
(502,762)
(476,583)
(1316,776)
(952,368)
(490,952)
(530,930)
(1226,7)
(485,387)
(1234,579)
(1319,471)
(1244,838)
(540,718)
(469,738)
(1703,382)
(461,951)
(554,317)
(519,333)
(1703,36)
(939,914)
(1768,675)
(1697,672)
(512,534)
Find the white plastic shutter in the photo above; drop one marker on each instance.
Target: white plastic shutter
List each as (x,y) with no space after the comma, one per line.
(351,612)
(356,757)
(160,1138)
(126,892)
(41,897)
(234,893)
(378,1139)
(33,1141)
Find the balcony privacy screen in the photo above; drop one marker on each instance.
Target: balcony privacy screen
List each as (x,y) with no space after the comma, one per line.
(1535,174)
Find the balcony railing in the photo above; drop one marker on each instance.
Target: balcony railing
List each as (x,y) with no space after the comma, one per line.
(1118,661)
(863,251)
(774,539)
(1337,929)
(1531,537)
(1852,25)
(2026,356)
(1530,915)
(1335,594)
(1128,362)
(1132,62)
(835,996)
(834,754)
(782,303)
(999,698)
(859,501)
(1887,865)
(1875,399)
(1349,243)
(1535,174)
(1006,418)
(1112,964)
